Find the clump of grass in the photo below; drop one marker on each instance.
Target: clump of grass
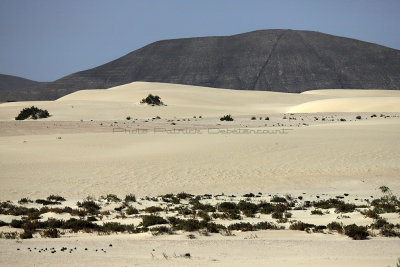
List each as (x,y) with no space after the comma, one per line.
(184,195)
(242,226)
(26,234)
(185,225)
(301,226)
(116,227)
(228,207)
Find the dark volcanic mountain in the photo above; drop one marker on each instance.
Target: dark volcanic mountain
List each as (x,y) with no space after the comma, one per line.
(10,83)
(273,60)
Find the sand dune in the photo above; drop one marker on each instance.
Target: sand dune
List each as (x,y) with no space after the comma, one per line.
(354,104)
(353,92)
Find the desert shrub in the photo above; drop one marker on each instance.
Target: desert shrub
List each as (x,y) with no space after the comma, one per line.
(90,206)
(51,233)
(55,198)
(356,232)
(26,234)
(335,226)
(339,205)
(51,223)
(249,195)
(253,118)
(389,232)
(228,207)
(2,223)
(342,119)
(76,225)
(278,199)
(379,223)
(47,202)
(242,226)
(32,112)
(358,117)
(24,201)
(199,206)
(301,226)
(131,210)
(128,118)
(130,198)
(265,226)
(226,118)
(204,215)
(149,220)
(112,198)
(317,212)
(116,227)
(160,230)
(215,228)
(186,225)
(277,215)
(248,208)
(152,100)
(370,214)
(153,209)
(184,195)
(16,223)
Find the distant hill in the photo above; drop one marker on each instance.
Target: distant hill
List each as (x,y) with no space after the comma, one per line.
(273,60)
(10,84)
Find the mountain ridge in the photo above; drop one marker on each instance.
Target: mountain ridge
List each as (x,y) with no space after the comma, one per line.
(272,60)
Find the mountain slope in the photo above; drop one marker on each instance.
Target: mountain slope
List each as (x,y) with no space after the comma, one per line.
(274,60)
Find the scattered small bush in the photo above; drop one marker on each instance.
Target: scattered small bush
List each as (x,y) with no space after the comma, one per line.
(153,209)
(51,233)
(335,226)
(55,198)
(26,234)
(90,206)
(131,210)
(317,212)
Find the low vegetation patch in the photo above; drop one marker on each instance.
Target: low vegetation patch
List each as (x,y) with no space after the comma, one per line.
(153,100)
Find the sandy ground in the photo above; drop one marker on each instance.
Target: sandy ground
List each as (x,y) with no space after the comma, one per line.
(266,248)
(81,150)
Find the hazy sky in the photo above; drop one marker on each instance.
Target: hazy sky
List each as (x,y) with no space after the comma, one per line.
(46,39)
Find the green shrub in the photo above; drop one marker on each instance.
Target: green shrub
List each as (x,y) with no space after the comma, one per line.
(226,118)
(152,100)
(116,227)
(16,223)
(214,228)
(149,220)
(2,223)
(389,232)
(32,112)
(265,226)
(356,232)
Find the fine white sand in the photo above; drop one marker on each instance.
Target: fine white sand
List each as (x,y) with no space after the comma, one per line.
(309,151)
